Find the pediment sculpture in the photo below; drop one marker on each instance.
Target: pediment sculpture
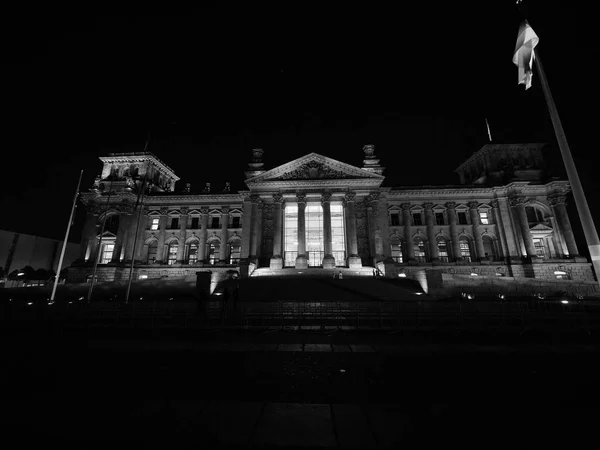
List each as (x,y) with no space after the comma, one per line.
(313,170)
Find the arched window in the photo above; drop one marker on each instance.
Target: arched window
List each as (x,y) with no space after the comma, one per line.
(420,250)
(534,215)
(213,252)
(192,252)
(112,224)
(152,252)
(172,256)
(465,249)
(236,251)
(442,246)
(397,255)
(106,252)
(489,250)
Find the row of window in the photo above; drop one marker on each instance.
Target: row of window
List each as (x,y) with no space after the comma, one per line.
(213,252)
(215,223)
(440,219)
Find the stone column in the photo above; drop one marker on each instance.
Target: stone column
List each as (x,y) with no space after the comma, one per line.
(88,236)
(259,229)
(353,260)
(224,253)
(162,234)
(277,259)
(512,245)
(560,211)
(203,233)
(518,203)
(406,219)
(255,199)
(124,223)
(133,226)
(497,217)
(373,211)
(475,223)
(452,219)
(328,259)
(183,218)
(430,221)
(302,258)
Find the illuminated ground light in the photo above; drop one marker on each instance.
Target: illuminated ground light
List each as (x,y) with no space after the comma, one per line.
(473,274)
(418,293)
(564,302)
(143,277)
(402,275)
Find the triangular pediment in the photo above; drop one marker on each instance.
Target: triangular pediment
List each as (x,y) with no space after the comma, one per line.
(313,167)
(540,227)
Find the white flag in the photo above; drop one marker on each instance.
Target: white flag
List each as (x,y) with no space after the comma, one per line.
(524,55)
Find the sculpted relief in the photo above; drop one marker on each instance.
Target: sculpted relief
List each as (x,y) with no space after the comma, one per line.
(313,170)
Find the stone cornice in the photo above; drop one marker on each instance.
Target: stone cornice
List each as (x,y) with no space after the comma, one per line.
(333,184)
(194,198)
(141,157)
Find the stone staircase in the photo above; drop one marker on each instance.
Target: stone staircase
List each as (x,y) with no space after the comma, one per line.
(314,272)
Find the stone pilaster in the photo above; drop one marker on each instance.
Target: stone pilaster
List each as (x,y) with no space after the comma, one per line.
(497,217)
(453,221)
(141,234)
(224,254)
(372,201)
(203,234)
(512,245)
(302,258)
(476,226)
(406,219)
(277,259)
(183,218)
(124,223)
(89,237)
(559,207)
(328,259)
(162,235)
(429,222)
(353,260)
(260,229)
(254,225)
(518,204)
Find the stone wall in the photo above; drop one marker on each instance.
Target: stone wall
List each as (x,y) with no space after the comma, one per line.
(445,285)
(155,275)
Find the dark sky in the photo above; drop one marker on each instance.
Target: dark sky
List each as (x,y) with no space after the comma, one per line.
(417,81)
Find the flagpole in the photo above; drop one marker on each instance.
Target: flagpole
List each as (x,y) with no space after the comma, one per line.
(140,201)
(589,230)
(99,253)
(62,252)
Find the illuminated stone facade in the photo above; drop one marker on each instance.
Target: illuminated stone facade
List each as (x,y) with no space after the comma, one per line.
(504,219)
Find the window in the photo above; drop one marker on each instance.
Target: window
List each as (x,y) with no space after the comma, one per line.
(172,257)
(290,245)
(236,252)
(338,236)
(154,223)
(443,250)
(174,223)
(193,253)
(561,275)
(439,218)
(214,222)
(152,251)
(314,234)
(462,218)
(213,254)
(394,219)
(419,246)
(195,223)
(107,252)
(465,250)
(483,217)
(417,219)
(236,222)
(397,252)
(540,249)
(488,247)
(112,224)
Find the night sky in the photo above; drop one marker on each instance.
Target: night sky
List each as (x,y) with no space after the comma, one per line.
(210,84)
